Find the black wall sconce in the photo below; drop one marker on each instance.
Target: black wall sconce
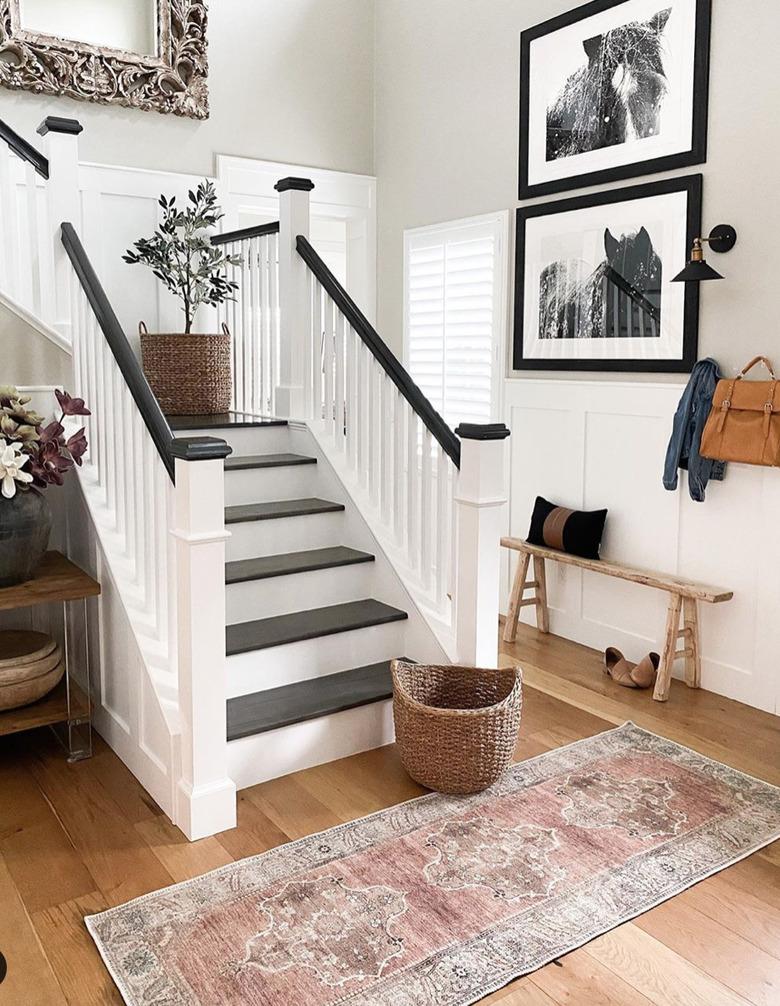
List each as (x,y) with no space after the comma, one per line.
(722,239)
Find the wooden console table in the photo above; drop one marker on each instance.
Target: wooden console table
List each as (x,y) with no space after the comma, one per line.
(67,708)
(684,596)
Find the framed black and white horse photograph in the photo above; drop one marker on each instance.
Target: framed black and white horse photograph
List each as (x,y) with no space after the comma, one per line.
(593,280)
(613,90)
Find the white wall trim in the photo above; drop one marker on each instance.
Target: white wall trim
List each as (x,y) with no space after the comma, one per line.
(590,444)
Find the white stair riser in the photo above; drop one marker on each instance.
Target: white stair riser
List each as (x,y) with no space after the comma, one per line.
(247,440)
(259,485)
(313,658)
(289,534)
(252,760)
(282,595)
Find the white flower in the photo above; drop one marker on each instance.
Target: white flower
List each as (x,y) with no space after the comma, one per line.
(12,460)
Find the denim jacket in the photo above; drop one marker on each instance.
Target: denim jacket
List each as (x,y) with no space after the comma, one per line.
(689,420)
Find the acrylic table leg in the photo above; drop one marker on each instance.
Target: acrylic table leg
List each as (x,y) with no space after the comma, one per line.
(75,733)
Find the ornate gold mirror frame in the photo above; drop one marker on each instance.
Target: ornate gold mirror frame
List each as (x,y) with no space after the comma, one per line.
(174,80)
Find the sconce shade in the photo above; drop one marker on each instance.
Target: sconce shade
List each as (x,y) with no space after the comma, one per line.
(696,272)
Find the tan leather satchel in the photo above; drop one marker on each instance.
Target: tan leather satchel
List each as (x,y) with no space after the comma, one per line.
(744,424)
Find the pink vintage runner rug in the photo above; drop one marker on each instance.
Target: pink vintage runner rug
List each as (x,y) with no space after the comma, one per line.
(442,900)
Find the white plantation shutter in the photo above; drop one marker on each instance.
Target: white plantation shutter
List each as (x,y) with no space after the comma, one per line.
(454,280)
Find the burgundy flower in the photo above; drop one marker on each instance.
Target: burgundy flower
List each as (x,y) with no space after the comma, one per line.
(77,446)
(52,433)
(71,406)
(48,465)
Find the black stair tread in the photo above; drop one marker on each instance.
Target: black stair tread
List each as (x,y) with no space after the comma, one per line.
(248,715)
(221,421)
(244,637)
(238,463)
(279,508)
(267,566)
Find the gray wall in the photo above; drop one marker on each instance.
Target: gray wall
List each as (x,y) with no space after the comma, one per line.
(446,143)
(29,358)
(290,80)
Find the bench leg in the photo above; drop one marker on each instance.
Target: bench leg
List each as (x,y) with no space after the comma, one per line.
(692,643)
(516,598)
(542,611)
(669,655)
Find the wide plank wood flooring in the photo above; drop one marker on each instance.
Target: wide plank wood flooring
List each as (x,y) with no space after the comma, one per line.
(75,840)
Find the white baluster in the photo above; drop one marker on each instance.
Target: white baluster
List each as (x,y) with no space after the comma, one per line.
(353,359)
(247,330)
(33,298)
(275,325)
(401,475)
(387,404)
(256,272)
(238,337)
(327,365)
(340,379)
(412,488)
(443,523)
(375,372)
(426,510)
(266,325)
(10,253)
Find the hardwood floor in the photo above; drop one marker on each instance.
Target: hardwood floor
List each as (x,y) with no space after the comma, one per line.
(75,840)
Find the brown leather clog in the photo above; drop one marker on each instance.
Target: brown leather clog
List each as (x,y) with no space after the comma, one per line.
(641,675)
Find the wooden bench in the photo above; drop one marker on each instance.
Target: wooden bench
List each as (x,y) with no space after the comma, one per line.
(683,600)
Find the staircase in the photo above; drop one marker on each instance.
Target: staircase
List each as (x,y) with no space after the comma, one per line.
(314,611)
(261,573)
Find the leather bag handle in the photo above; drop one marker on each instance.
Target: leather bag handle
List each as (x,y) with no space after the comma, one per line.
(142,329)
(753,362)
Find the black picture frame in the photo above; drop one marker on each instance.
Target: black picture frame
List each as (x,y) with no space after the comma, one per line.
(692,185)
(697,154)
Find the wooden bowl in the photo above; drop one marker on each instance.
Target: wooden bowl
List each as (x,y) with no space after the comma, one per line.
(31,664)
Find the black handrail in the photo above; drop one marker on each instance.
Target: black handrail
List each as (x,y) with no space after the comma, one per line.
(382,353)
(25,150)
(247,232)
(190,449)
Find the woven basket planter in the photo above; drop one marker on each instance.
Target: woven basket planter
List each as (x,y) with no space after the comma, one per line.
(456,727)
(190,375)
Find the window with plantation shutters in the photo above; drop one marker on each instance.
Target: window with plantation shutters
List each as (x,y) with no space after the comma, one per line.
(454,315)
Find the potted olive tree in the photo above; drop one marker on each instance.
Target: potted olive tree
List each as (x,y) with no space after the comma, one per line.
(189,373)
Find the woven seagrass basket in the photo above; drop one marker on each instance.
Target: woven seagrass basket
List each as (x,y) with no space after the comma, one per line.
(190,375)
(456,727)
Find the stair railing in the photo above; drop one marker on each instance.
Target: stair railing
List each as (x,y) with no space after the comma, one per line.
(26,260)
(253,317)
(158,505)
(433,497)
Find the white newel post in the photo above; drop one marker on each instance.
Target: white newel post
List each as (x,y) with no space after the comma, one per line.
(61,146)
(295,354)
(480,499)
(206,796)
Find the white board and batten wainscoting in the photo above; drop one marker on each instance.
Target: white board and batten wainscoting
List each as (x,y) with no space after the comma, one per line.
(119,205)
(593,444)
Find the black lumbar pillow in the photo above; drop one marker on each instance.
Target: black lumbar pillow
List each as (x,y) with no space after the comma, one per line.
(575,531)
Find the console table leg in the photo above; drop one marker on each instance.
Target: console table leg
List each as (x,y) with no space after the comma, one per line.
(75,733)
(664,681)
